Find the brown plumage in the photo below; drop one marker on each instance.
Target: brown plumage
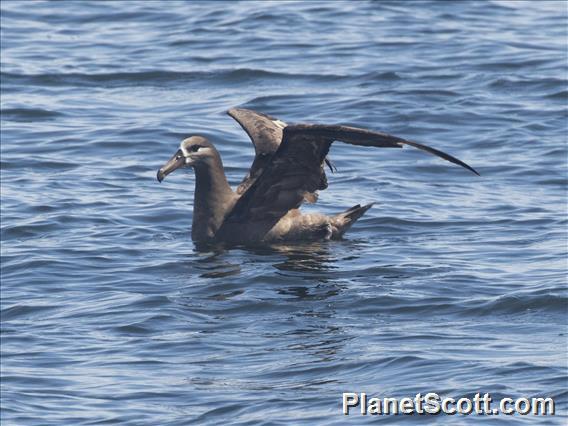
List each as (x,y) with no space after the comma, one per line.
(287,170)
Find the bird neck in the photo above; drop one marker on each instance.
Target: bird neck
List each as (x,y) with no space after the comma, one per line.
(213,199)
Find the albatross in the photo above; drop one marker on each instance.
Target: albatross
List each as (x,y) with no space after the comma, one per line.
(288,169)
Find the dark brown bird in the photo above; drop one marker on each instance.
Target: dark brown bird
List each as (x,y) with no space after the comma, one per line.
(287,170)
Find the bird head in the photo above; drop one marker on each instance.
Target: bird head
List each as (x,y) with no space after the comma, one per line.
(194,151)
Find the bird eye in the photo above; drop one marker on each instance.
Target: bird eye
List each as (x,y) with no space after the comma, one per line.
(178,157)
(195,148)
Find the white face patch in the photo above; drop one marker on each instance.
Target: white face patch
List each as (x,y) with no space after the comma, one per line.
(182,147)
(191,156)
(279,123)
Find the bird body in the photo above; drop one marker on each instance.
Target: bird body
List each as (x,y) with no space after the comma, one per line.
(288,169)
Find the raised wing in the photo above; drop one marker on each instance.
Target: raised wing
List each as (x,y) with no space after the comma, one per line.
(265,132)
(296,169)
(356,136)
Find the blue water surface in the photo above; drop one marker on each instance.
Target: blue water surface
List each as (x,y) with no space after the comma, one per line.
(452,283)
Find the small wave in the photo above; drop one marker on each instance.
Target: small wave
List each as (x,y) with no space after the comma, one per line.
(27,231)
(24,311)
(53,165)
(511,65)
(430,92)
(560,182)
(562,95)
(404,306)
(381,76)
(28,114)
(65,79)
(239,75)
(526,84)
(513,304)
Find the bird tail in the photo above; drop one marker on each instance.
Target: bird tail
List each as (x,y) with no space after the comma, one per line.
(343,221)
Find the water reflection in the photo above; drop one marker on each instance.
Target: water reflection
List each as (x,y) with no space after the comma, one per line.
(323,343)
(211,258)
(301,272)
(290,297)
(313,257)
(306,272)
(310,258)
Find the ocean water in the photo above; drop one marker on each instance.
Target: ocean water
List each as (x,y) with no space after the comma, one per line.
(452,283)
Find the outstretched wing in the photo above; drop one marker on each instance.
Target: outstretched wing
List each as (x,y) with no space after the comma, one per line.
(265,132)
(296,169)
(356,136)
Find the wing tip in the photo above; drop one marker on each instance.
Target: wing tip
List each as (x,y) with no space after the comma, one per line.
(464,165)
(474,171)
(440,154)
